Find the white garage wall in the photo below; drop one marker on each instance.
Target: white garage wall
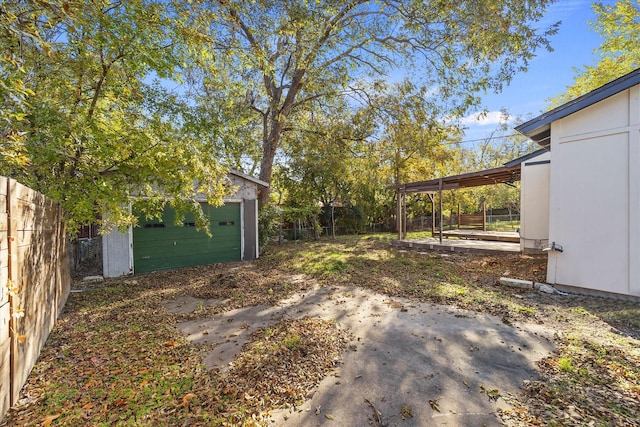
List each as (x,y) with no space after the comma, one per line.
(117,257)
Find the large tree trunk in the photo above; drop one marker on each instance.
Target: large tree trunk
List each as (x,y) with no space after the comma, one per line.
(269,147)
(274,124)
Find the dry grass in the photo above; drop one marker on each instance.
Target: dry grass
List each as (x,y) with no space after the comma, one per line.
(116,358)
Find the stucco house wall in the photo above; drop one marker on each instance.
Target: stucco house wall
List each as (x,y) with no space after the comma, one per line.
(534,203)
(595,196)
(594,188)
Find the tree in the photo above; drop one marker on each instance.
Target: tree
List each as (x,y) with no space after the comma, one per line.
(94,128)
(320,152)
(411,142)
(220,121)
(16,29)
(289,53)
(498,148)
(619,27)
(412,131)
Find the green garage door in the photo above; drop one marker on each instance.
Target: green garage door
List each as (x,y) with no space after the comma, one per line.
(162,245)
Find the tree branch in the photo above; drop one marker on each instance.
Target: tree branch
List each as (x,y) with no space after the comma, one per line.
(255,46)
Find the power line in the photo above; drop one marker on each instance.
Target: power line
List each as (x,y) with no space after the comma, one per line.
(372,149)
(468,141)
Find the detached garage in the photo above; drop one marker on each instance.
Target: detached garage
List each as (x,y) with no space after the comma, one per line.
(162,245)
(165,245)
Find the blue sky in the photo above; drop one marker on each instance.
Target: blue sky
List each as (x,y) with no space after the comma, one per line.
(549,73)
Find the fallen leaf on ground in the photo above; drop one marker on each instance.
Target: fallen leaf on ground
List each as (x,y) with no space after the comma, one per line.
(49,419)
(187,398)
(377,414)
(120,402)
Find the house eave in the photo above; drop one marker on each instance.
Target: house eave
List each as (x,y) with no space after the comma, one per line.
(539,128)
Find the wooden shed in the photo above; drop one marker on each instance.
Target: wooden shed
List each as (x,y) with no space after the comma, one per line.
(593,188)
(162,245)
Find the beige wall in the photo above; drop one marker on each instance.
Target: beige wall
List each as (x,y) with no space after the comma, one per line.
(534,203)
(594,206)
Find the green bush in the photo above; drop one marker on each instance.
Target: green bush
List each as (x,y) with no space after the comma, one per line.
(268,220)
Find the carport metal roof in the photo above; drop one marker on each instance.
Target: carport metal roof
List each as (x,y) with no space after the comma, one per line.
(507,174)
(473,179)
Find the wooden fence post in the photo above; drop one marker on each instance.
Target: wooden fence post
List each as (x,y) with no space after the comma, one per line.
(5,306)
(12,231)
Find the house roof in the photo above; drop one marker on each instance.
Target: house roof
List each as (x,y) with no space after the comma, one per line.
(526,157)
(508,173)
(539,128)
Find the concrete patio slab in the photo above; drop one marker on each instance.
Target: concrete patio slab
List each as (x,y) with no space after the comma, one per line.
(412,364)
(457,245)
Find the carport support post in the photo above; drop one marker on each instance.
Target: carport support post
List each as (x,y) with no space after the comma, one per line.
(280,226)
(404,215)
(433,212)
(441,205)
(400,214)
(484,216)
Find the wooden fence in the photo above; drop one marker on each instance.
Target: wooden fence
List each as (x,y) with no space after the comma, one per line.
(473,221)
(35,277)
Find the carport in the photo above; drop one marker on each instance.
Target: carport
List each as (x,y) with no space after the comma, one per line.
(507,174)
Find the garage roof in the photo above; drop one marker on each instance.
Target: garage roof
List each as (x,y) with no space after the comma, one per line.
(539,128)
(249,178)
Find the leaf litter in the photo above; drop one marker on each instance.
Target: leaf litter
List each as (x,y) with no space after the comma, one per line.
(282,365)
(115,356)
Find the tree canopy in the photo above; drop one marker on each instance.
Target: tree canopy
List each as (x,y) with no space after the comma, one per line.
(287,54)
(107,103)
(84,121)
(619,26)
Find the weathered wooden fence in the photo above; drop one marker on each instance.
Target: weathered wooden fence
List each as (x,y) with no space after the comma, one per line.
(35,277)
(473,221)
